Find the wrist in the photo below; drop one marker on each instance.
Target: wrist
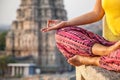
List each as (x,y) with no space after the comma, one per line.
(65,23)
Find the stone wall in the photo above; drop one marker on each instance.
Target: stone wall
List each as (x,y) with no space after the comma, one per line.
(25,38)
(95,73)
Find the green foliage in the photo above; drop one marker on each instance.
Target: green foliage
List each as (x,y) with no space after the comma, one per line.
(4,60)
(2,40)
(18,75)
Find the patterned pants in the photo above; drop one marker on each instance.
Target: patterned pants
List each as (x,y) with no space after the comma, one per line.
(77,41)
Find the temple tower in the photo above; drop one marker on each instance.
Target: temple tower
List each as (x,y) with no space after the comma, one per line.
(25,39)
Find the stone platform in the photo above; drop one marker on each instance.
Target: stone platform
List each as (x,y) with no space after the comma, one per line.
(95,73)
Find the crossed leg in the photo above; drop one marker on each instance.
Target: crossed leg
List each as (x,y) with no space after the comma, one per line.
(74,42)
(98,50)
(102,50)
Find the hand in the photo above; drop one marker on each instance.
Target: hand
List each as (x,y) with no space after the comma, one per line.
(50,25)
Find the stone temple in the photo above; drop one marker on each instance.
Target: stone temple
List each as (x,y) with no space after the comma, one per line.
(28,44)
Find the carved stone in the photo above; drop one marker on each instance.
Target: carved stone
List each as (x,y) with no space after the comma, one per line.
(25,39)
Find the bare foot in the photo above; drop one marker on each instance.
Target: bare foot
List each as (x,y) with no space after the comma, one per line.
(113,48)
(78,60)
(75,61)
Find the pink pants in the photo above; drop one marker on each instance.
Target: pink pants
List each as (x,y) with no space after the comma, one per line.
(77,41)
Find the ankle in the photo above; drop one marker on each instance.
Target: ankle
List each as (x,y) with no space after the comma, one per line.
(94,61)
(97,59)
(107,50)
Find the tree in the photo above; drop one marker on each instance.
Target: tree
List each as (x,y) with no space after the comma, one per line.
(4,60)
(2,40)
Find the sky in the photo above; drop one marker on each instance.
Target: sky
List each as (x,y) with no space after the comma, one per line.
(73,7)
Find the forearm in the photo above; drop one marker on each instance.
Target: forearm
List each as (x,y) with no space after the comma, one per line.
(80,20)
(84,19)
(87,18)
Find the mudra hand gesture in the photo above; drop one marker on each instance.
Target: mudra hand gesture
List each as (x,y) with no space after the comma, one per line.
(53,25)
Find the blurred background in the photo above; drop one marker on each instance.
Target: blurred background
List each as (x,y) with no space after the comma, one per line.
(25,52)
(74,8)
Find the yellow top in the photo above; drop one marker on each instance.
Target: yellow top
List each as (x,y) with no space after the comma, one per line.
(107,33)
(112,12)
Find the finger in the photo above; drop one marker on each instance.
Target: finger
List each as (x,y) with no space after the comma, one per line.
(43,29)
(49,22)
(52,23)
(56,21)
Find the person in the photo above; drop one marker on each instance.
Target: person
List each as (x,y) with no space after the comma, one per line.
(80,46)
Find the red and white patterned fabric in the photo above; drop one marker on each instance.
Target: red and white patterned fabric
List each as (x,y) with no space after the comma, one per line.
(77,41)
